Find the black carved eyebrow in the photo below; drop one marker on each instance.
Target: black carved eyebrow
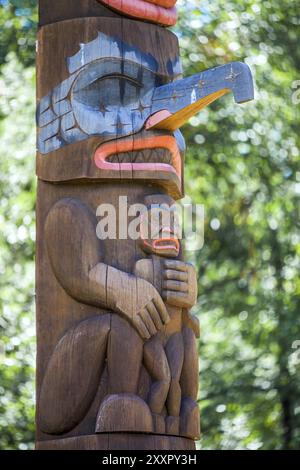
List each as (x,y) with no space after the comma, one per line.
(118,68)
(116,76)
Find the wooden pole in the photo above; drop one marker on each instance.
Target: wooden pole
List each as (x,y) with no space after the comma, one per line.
(117,362)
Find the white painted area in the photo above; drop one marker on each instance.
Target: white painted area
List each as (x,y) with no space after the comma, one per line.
(193,96)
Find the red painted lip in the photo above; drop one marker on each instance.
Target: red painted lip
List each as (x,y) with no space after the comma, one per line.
(131,145)
(157,11)
(161,244)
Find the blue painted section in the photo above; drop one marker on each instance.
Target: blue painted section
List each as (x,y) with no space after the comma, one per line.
(107,47)
(62,107)
(113,89)
(174,67)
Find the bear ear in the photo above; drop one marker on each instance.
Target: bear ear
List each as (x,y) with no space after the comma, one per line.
(161,12)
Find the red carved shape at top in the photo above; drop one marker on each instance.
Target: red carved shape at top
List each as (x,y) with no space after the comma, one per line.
(157,11)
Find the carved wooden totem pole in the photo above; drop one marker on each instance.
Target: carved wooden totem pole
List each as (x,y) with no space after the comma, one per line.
(117,363)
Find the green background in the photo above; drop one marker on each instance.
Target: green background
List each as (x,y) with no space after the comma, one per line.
(243,165)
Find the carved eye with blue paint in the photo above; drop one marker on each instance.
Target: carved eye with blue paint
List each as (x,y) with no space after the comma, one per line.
(111,90)
(104,85)
(112,97)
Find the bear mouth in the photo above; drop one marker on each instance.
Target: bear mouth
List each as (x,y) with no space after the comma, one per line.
(170,244)
(156,153)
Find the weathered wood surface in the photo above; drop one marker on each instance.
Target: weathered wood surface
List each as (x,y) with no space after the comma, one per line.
(53,11)
(118,442)
(110,329)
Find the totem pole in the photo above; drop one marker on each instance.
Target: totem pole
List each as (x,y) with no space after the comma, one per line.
(117,362)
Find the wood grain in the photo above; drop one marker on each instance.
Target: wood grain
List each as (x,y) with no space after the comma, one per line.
(53,11)
(76,160)
(78,359)
(116,354)
(118,441)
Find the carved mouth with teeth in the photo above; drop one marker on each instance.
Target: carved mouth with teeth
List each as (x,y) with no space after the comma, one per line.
(156,153)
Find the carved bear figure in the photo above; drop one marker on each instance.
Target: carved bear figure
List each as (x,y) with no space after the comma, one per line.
(146,330)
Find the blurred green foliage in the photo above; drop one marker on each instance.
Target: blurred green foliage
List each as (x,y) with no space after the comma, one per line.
(17,190)
(243,165)
(18,19)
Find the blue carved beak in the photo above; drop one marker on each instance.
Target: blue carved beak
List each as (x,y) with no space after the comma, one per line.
(173,104)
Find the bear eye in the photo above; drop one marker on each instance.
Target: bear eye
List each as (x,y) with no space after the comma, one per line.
(110,90)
